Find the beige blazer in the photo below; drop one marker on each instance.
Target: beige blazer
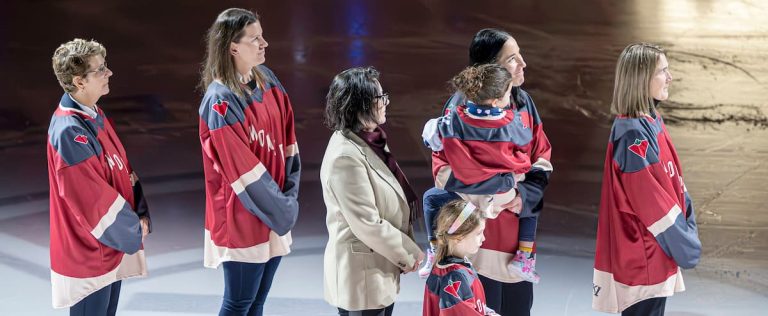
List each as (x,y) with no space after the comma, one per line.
(369,237)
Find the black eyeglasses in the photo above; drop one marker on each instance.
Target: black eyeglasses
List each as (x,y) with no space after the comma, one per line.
(384,98)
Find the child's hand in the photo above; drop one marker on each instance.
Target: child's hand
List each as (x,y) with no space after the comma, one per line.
(514,206)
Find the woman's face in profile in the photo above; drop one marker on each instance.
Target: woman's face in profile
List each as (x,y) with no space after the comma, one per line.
(380,105)
(510,58)
(661,79)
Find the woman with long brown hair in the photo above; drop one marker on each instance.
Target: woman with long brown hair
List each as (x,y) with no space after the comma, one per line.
(250,160)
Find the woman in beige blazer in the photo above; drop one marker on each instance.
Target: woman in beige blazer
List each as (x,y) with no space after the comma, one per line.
(368,201)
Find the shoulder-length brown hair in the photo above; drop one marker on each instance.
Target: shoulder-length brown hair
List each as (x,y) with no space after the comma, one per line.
(219,64)
(445,218)
(634,70)
(351,99)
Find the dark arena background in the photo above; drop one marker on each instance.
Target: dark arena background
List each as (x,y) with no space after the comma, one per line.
(717,115)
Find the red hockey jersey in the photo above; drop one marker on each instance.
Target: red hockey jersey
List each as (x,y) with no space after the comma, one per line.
(95,205)
(252,168)
(646,227)
(521,126)
(453,289)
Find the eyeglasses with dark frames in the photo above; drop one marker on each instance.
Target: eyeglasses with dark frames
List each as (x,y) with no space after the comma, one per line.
(384,98)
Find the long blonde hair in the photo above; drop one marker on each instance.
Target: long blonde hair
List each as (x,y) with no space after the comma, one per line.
(448,214)
(634,70)
(229,27)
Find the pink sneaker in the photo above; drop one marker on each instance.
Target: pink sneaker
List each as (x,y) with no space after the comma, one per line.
(524,266)
(426,270)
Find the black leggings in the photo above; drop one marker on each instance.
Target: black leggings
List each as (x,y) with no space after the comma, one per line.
(387,311)
(650,307)
(508,299)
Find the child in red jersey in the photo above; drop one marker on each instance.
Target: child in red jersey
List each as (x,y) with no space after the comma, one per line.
(453,287)
(481,152)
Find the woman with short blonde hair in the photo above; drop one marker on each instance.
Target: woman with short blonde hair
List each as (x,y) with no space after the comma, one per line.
(646,231)
(99,216)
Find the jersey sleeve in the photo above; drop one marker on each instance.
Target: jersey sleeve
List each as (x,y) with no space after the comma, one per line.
(292,159)
(456,297)
(142,208)
(636,156)
(537,179)
(291,151)
(89,198)
(232,157)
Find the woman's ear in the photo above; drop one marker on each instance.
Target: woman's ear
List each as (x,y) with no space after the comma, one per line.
(233,49)
(79,82)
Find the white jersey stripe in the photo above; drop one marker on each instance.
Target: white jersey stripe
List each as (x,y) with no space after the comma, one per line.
(665,222)
(276,246)
(249,177)
(67,291)
(292,150)
(109,217)
(611,296)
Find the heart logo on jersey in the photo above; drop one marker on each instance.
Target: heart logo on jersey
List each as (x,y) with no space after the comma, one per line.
(453,289)
(81,139)
(640,147)
(221,107)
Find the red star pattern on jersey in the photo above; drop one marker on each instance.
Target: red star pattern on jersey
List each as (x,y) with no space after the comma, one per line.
(453,289)
(640,147)
(81,139)
(221,107)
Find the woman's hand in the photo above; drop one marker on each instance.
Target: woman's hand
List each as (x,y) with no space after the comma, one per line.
(417,264)
(515,206)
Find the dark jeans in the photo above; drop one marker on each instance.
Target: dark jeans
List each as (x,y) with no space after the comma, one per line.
(100,303)
(650,307)
(387,311)
(246,286)
(527,230)
(434,199)
(508,299)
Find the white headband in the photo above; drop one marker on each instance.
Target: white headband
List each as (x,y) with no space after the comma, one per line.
(468,209)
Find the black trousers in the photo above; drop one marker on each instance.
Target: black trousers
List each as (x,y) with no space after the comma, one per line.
(508,299)
(650,307)
(387,311)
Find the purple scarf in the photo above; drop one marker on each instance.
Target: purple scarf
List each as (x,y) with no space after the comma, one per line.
(377,140)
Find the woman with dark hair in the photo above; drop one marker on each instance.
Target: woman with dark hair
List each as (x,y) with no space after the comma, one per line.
(506,291)
(250,160)
(368,199)
(646,232)
(99,217)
